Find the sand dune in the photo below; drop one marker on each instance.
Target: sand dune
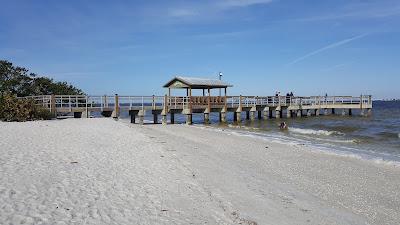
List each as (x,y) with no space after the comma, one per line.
(101,171)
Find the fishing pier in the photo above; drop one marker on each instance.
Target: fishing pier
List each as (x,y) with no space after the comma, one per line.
(254,107)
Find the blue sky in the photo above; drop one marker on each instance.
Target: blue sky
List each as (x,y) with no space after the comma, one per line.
(339,47)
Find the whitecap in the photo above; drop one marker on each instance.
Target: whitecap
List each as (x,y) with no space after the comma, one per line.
(316,132)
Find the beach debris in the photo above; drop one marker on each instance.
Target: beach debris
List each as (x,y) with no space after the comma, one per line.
(161,156)
(266,147)
(74,162)
(164,210)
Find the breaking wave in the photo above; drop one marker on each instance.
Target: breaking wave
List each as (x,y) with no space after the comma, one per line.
(315,132)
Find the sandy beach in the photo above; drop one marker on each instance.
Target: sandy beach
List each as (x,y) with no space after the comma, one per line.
(102,171)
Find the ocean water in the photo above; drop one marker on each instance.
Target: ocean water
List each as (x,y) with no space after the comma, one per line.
(376,137)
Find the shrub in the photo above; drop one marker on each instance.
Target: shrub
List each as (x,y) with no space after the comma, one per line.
(17,109)
(41,113)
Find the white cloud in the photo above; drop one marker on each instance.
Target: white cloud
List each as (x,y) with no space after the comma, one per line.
(207,8)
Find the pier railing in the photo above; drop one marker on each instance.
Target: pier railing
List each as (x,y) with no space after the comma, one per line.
(108,103)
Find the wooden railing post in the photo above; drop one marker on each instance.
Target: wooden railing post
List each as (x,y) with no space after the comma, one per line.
(116,106)
(165,110)
(69,103)
(105,103)
(53,109)
(87,107)
(209,103)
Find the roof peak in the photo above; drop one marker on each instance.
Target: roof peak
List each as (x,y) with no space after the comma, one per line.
(199,82)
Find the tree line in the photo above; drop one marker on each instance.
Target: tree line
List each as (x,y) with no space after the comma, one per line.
(19,81)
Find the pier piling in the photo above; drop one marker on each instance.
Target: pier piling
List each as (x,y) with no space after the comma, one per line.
(252,115)
(155,118)
(189,119)
(288,113)
(238,117)
(299,113)
(206,118)
(223,117)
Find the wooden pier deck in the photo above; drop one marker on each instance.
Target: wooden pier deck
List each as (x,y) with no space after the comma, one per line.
(254,106)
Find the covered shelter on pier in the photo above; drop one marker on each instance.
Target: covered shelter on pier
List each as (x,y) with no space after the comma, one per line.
(190,83)
(197,103)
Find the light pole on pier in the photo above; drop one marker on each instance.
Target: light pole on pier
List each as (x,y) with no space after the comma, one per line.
(220,78)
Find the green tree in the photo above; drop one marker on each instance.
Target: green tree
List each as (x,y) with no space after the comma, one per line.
(18,81)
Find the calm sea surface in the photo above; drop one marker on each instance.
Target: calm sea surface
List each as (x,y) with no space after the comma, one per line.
(375,137)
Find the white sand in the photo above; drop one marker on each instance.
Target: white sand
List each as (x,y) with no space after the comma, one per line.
(100,171)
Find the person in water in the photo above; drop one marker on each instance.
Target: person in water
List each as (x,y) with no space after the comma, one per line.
(283,126)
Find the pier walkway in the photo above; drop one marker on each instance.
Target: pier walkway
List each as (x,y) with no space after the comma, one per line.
(254,106)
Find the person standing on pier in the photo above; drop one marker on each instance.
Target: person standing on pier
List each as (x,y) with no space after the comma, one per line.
(287,98)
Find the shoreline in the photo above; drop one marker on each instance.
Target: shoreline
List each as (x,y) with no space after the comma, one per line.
(356,153)
(178,174)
